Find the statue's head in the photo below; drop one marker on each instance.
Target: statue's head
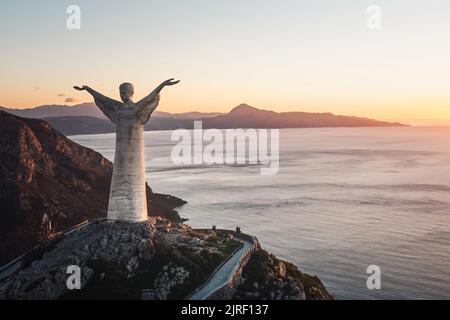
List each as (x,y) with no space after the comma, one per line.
(126,91)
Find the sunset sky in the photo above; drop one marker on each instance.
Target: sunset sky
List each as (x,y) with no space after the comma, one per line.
(284,55)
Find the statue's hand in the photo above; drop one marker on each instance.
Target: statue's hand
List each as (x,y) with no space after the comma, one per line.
(80,88)
(170,82)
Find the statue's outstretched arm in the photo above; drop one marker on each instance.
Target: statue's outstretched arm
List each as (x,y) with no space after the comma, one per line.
(107,105)
(147,105)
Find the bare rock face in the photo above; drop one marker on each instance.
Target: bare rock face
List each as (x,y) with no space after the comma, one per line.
(171,276)
(107,249)
(266,277)
(280,269)
(42,171)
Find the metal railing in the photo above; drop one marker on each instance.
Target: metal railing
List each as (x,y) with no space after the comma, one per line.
(13,266)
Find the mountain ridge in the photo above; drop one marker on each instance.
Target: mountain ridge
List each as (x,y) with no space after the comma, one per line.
(92,121)
(89,109)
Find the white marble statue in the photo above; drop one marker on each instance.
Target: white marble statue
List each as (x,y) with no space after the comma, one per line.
(127,196)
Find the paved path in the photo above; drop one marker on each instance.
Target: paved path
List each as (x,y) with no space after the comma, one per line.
(223,275)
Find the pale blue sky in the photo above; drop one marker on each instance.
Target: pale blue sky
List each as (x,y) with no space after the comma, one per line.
(283,55)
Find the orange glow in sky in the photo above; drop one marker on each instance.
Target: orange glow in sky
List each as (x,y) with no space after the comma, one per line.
(279,55)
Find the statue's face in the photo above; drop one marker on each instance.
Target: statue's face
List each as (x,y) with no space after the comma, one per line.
(126,93)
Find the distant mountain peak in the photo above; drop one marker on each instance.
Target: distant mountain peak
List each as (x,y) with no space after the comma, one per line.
(244,105)
(243,108)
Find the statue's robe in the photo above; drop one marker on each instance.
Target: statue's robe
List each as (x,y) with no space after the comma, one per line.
(127,197)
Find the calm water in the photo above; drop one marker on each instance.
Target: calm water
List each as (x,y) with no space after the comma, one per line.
(343,199)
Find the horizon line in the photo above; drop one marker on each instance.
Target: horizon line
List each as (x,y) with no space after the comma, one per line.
(444,122)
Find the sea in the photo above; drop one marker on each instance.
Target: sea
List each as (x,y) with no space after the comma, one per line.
(343,200)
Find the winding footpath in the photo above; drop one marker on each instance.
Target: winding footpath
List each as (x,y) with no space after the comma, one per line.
(225,273)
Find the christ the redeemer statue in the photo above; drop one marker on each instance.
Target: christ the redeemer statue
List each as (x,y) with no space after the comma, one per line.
(127,196)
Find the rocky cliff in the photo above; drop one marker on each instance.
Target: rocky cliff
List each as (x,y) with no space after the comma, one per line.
(42,171)
(269,278)
(155,260)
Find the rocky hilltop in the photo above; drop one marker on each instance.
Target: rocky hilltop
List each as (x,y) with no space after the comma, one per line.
(155,260)
(42,171)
